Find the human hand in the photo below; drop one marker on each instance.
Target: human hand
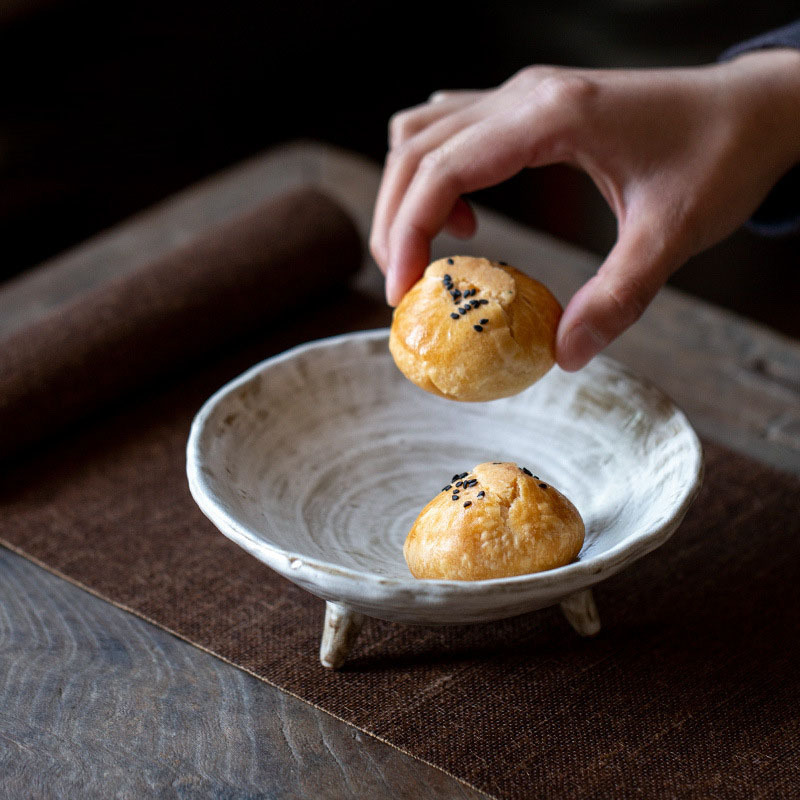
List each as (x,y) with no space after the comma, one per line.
(682,156)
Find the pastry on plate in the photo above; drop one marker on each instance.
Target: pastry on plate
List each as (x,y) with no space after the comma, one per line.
(496,521)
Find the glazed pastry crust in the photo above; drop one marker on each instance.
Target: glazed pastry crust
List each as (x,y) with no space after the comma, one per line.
(520,525)
(452,359)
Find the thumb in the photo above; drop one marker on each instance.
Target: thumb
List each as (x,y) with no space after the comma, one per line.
(610,302)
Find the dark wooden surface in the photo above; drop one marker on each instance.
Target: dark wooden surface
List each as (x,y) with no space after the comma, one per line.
(95,702)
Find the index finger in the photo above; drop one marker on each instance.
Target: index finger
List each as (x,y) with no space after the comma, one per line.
(486,153)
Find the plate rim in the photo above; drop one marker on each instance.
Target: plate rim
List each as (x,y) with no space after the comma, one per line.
(296,566)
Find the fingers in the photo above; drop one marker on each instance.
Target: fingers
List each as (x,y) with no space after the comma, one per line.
(401,165)
(611,301)
(456,95)
(408,123)
(461,221)
(530,120)
(478,156)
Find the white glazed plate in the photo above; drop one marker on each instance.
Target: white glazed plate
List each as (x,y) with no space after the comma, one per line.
(317,461)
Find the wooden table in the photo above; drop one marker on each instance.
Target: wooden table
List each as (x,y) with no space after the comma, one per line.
(94,702)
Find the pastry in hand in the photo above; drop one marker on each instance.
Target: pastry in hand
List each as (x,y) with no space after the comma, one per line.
(474,329)
(496,521)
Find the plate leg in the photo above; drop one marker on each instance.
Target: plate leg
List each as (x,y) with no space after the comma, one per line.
(339,632)
(581,612)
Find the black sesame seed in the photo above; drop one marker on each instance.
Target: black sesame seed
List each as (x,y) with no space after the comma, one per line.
(483,302)
(447,278)
(536,478)
(454,497)
(455,478)
(449,486)
(450,261)
(463,475)
(455,316)
(478,328)
(474,303)
(468,504)
(484,321)
(462,311)
(481,494)
(526,471)
(542,485)
(460,483)
(455,294)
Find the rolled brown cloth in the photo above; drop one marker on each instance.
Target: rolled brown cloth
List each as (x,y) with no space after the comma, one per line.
(187,303)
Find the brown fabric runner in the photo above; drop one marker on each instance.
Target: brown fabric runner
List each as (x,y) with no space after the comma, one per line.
(690,690)
(171,312)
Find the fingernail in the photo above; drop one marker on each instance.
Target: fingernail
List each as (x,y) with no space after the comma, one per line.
(578,346)
(391,286)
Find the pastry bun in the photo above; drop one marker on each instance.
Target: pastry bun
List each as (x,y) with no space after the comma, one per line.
(497,521)
(473,329)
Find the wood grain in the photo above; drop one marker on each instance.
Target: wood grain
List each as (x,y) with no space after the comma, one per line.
(97,703)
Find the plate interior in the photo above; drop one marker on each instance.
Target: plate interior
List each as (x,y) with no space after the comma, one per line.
(328,453)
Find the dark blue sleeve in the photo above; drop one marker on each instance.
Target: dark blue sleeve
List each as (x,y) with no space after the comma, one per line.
(787,36)
(779,214)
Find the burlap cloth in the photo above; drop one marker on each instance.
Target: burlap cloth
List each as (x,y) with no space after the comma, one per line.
(690,690)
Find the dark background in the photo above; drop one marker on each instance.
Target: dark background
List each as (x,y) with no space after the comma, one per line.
(106,107)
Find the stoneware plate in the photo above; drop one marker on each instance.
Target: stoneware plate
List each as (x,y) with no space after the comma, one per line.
(317,462)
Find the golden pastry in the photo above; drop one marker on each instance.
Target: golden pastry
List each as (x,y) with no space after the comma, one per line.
(473,329)
(496,521)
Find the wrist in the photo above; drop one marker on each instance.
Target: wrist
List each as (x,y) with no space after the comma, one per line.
(766,86)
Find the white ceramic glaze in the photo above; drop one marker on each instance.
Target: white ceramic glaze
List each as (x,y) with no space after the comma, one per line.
(317,461)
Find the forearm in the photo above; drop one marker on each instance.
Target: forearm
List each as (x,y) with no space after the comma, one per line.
(775,56)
